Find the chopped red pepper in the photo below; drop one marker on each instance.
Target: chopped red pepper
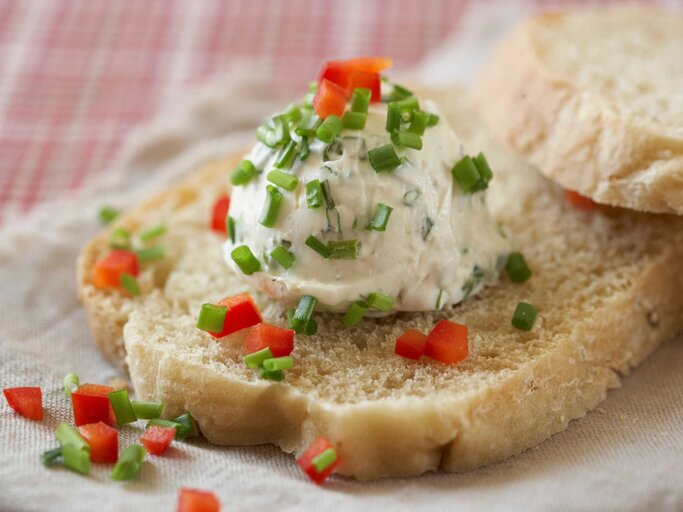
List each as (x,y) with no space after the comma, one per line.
(157,439)
(219,214)
(279,340)
(319,446)
(107,272)
(194,500)
(360,72)
(411,344)
(103,441)
(91,404)
(242,313)
(329,100)
(578,201)
(26,401)
(447,342)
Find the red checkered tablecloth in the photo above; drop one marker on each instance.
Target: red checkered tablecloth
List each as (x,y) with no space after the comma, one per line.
(75,75)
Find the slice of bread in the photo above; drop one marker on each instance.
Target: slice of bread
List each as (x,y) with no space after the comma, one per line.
(594,99)
(606,284)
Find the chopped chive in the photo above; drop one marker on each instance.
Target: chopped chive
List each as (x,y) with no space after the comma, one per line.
(327,194)
(292,113)
(245,259)
(76,459)
(517,268)
(305,150)
(407,139)
(278,363)
(313,194)
(329,128)
(483,167)
(419,123)
(302,313)
(355,313)
(410,197)
(159,422)
(281,125)
(322,462)
(71,382)
(360,100)
(287,156)
(156,252)
(466,174)
(282,179)
(153,232)
(307,100)
(270,207)
(406,116)
(147,410)
(212,317)
(107,214)
(433,120)
(308,125)
(266,135)
(311,327)
(399,92)
(119,239)
(68,435)
(230,225)
(381,218)
(409,103)
(393,118)
(282,256)
(427,225)
(244,172)
(255,359)
(380,301)
(318,246)
(123,410)
(344,249)
(524,316)
(187,426)
(277,375)
(354,120)
(438,299)
(384,158)
(130,284)
(51,456)
(129,464)
(312,86)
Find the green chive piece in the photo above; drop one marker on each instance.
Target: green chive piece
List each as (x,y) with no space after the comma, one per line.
(398,93)
(433,120)
(354,120)
(50,457)
(230,225)
(312,86)
(130,284)
(76,459)
(327,194)
(329,128)
(314,194)
(406,116)
(270,207)
(524,316)
(119,239)
(283,257)
(281,125)
(419,123)
(318,246)
(123,410)
(287,156)
(71,382)
(483,167)
(381,218)
(355,313)
(147,410)
(107,214)
(410,197)
(245,259)
(305,150)
(153,232)
(517,268)
(292,113)
(129,463)
(68,435)
(407,140)
(393,118)
(156,252)
(187,426)
(212,317)
(360,100)
(409,103)
(303,313)
(244,172)
(159,422)
(278,363)
(308,125)
(266,135)
(380,301)
(344,249)
(307,100)
(324,460)
(311,327)
(255,359)
(282,179)
(384,158)
(466,174)
(277,375)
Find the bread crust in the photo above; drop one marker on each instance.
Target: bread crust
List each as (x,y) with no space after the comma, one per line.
(577,137)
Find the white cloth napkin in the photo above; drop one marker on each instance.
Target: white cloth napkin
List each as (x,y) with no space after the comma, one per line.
(627,455)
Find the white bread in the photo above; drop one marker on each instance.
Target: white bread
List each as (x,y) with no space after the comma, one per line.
(606,284)
(594,99)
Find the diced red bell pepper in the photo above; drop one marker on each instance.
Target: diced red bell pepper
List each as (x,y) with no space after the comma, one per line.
(360,72)
(578,201)
(242,313)
(363,79)
(103,441)
(26,401)
(278,339)
(194,500)
(219,214)
(91,404)
(447,342)
(306,460)
(157,439)
(107,272)
(411,344)
(329,100)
